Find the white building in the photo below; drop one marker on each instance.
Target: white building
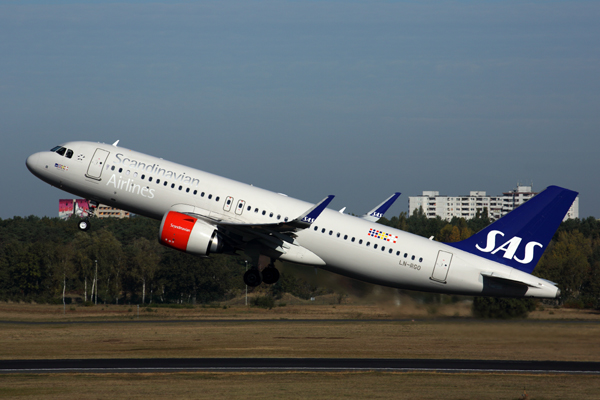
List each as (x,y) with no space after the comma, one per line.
(467,207)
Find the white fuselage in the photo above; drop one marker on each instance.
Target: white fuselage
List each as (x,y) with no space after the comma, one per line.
(337,242)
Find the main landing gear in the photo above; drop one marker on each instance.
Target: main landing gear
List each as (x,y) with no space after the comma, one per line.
(253,277)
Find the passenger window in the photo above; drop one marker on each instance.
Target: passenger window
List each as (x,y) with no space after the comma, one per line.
(135,174)
(405,255)
(368,244)
(157,181)
(374,246)
(382,248)
(112,168)
(217,198)
(316,228)
(202,194)
(264,212)
(256,210)
(286,219)
(210,196)
(323,230)
(120,170)
(345,237)
(69,153)
(360,241)
(195,192)
(127,173)
(330,233)
(172,185)
(398,253)
(391,250)
(338,234)
(187,190)
(166,183)
(421,259)
(352,240)
(271,215)
(412,258)
(143,176)
(180,187)
(278,217)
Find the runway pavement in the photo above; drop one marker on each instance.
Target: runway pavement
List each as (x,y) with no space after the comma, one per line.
(293,364)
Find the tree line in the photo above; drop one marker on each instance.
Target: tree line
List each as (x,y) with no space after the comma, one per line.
(118,261)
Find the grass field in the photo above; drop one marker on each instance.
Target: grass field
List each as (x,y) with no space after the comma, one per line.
(295,331)
(301,385)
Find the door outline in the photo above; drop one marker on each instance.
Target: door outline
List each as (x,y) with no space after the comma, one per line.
(442,266)
(97,164)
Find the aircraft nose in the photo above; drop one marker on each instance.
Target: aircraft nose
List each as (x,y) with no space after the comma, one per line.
(33,163)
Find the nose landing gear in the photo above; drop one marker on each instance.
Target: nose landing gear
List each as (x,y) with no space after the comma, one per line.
(84,224)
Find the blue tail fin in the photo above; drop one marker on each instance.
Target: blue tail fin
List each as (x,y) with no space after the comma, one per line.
(520,237)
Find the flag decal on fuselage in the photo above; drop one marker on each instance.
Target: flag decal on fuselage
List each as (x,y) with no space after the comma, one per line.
(388,237)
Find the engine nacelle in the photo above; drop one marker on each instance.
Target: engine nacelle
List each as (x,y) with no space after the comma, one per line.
(188,234)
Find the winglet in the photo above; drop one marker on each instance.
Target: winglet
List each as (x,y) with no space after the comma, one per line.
(306,219)
(375,214)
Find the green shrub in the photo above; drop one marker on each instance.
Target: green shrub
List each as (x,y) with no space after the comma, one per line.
(492,307)
(264,302)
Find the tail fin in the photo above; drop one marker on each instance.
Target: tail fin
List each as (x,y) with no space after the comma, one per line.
(520,237)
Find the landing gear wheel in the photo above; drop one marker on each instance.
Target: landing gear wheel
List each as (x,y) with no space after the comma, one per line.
(252,278)
(270,275)
(84,225)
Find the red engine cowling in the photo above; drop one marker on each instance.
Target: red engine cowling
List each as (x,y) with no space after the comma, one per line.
(188,234)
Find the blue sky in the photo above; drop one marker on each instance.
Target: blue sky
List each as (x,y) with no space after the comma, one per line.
(357,99)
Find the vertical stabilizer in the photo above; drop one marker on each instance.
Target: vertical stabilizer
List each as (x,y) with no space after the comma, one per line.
(520,237)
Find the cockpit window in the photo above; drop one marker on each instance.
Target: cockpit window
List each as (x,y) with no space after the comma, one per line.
(69,153)
(61,151)
(55,148)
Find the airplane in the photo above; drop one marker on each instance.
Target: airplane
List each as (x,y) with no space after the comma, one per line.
(203,214)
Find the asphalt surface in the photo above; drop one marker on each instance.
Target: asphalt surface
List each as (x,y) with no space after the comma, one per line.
(293,364)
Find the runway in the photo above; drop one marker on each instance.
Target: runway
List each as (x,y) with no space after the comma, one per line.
(166,365)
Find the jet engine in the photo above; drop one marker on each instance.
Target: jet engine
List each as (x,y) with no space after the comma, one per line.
(188,234)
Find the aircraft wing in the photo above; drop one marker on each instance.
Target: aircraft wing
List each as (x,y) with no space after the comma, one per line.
(277,236)
(375,214)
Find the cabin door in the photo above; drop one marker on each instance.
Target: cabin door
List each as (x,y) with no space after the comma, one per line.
(442,265)
(97,164)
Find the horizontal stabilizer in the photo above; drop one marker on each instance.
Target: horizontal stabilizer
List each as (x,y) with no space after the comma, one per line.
(503,279)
